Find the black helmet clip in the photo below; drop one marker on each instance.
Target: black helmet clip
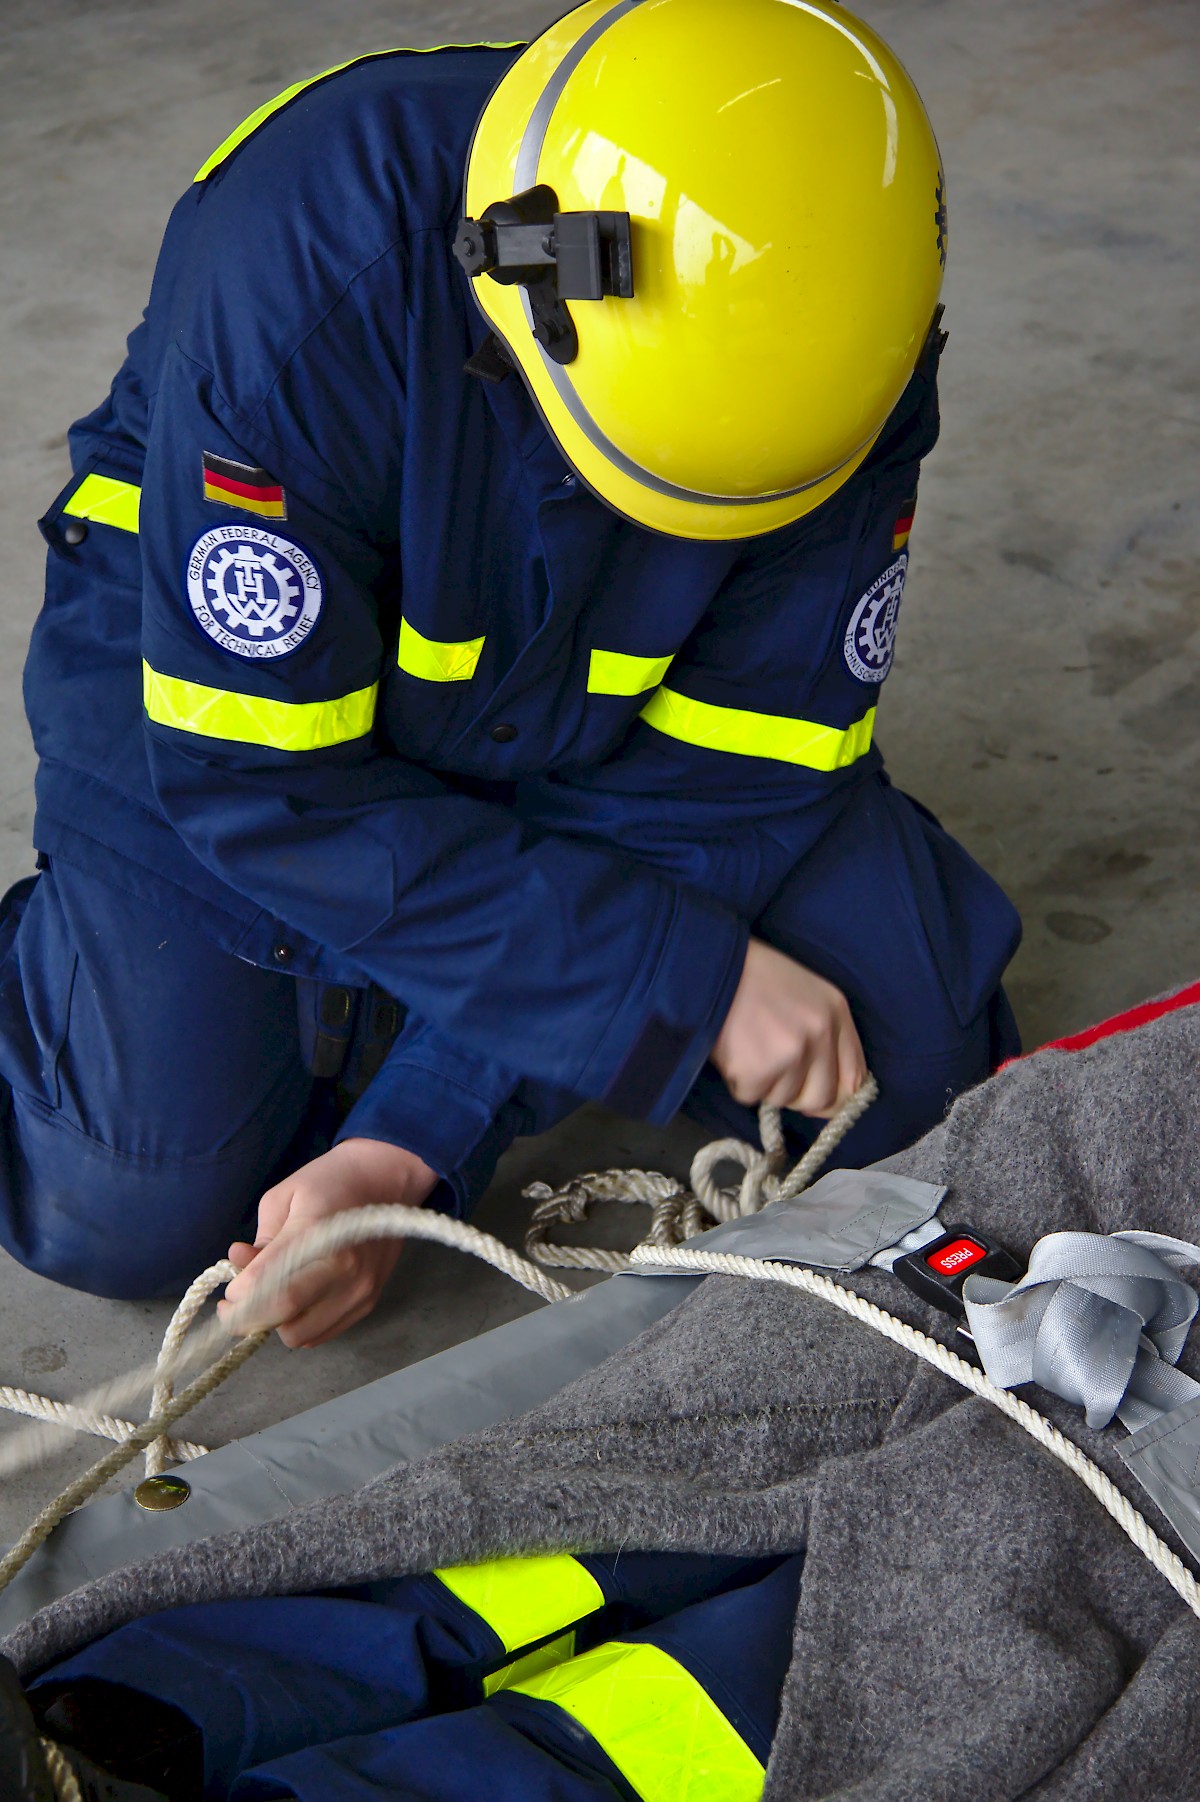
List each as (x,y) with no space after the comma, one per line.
(554,256)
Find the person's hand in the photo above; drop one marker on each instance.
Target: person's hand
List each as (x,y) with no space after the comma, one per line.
(788,1038)
(324,1298)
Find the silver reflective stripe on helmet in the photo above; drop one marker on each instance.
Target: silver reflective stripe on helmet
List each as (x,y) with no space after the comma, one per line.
(526,176)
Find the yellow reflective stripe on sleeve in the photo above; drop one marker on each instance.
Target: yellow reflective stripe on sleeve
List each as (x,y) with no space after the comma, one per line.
(660,1727)
(262,113)
(771,735)
(107,501)
(435,659)
(249,720)
(616,673)
(544,1658)
(524,1599)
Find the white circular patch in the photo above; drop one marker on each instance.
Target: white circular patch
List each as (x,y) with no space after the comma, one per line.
(871,635)
(254,593)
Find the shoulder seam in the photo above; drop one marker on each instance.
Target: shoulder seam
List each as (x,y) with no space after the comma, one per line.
(248,421)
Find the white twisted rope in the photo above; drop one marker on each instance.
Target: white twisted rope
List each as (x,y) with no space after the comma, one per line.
(681,1213)
(34,1445)
(960,1371)
(676,1215)
(62,1773)
(83,1419)
(759,1184)
(94,1479)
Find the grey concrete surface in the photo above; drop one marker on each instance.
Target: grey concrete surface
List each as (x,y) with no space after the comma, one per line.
(1046,697)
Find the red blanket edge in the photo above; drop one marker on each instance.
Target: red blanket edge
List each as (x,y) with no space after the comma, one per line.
(1128,1021)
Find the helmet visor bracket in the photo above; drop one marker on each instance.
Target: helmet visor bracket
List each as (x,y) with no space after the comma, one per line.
(554,256)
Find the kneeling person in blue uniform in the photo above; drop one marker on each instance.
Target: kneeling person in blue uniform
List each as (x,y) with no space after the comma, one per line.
(465,623)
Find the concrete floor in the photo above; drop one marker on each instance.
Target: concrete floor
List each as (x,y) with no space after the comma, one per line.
(1046,698)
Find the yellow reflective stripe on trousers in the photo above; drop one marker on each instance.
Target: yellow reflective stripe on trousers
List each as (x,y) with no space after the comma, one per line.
(660,1727)
(436,659)
(262,113)
(771,735)
(107,501)
(249,720)
(542,1658)
(524,1599)
(617,673)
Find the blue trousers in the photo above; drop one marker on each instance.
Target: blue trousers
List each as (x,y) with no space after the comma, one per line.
(152,1086)
(377,1692)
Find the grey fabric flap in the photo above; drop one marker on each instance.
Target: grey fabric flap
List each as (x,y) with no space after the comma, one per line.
(1165,1459)
(838,1224)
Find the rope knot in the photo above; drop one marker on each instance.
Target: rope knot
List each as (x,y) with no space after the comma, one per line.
(680,1212)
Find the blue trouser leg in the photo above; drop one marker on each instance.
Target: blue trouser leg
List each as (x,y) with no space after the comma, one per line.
(477,1756)
(150,1085)
(916,936)
(262,1679)
(517,1748)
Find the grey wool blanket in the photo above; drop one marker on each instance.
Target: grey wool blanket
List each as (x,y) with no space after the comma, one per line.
(972,1626)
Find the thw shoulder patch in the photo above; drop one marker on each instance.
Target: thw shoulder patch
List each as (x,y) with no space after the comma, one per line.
(253,592)
(244,486)
(870,641)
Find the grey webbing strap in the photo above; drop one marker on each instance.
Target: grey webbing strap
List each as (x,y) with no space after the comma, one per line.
(916,1240)
(1090,1311)
(1100,1321)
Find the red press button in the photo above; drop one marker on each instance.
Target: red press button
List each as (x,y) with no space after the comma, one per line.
(959,1255)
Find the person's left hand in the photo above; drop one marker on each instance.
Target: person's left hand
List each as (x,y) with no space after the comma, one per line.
(326,1297)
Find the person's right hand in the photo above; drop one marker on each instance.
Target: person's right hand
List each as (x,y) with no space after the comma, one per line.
(788,1038)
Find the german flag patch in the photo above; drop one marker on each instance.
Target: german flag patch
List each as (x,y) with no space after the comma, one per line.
(904,522)
(243,486)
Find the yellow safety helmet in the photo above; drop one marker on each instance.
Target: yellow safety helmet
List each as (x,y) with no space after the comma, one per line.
(711,235)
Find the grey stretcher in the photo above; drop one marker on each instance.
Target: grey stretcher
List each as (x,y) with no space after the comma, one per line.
(839,1223)
(345,1442)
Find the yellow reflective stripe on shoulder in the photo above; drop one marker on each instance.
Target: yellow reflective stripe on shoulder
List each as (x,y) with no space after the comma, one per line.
(771,735)
(262,113)
(524,1599)
(107,501)
(660,1727)
(617,673)
(249,720)
(435,659)
(542,1658)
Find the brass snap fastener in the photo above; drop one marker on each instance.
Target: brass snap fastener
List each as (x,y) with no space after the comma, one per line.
(158,1494)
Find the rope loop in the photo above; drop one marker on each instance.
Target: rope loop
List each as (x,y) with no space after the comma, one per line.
(681,1213)
(675,1215)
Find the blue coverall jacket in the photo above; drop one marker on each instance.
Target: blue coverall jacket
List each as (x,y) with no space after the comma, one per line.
(529,768)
